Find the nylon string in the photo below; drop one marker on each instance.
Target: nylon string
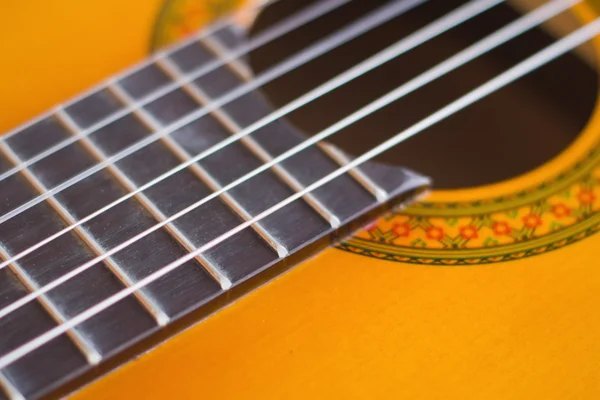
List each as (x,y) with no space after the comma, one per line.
(530,64)
(299,59)
(371,63)
(509,31)
(288,25)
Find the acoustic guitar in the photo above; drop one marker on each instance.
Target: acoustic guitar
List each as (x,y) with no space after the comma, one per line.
(300,199)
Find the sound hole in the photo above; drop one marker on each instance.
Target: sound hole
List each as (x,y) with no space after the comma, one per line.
(506,134)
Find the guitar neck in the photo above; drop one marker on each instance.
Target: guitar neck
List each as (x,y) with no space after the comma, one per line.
(69,184)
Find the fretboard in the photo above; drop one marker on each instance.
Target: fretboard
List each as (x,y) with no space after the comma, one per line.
(292,233)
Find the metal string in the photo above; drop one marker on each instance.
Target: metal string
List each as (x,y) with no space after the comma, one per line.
(493,40)
(287,25)
(226,20)
(321,47)
(540,58)
(420,36)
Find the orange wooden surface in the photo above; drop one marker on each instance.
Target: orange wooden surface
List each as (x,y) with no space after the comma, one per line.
(340,325)
(343,326)
(52,50)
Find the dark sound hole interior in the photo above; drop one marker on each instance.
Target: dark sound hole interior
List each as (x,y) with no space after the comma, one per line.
(508,133)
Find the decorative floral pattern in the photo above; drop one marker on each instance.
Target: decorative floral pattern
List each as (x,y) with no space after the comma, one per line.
(533,221)
(180,18)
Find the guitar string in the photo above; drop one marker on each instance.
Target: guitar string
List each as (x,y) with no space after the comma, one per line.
(411,41)
(226,20)
(357,28)
(502,35)
(530,64)
(491,41)
(289,24)
(92,262)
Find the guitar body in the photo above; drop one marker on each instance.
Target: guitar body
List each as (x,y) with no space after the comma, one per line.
(484,292)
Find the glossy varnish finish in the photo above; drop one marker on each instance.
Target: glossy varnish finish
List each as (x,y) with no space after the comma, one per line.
(345,326)
(342,325)
(194,283)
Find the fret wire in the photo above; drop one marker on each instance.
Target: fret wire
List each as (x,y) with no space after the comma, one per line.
(150,122)
(211,28)
(248,142)
(288,25)
(148,205)
(244,72)
(196,168)
(11,391)
(495,39)
(148,303)
(202,98)
(220,50)
(335,40)
(342,159)
(540,58)
(403,45)
(535,61)
(92,355)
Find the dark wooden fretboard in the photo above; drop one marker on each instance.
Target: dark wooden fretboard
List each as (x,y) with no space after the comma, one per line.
(196,283)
